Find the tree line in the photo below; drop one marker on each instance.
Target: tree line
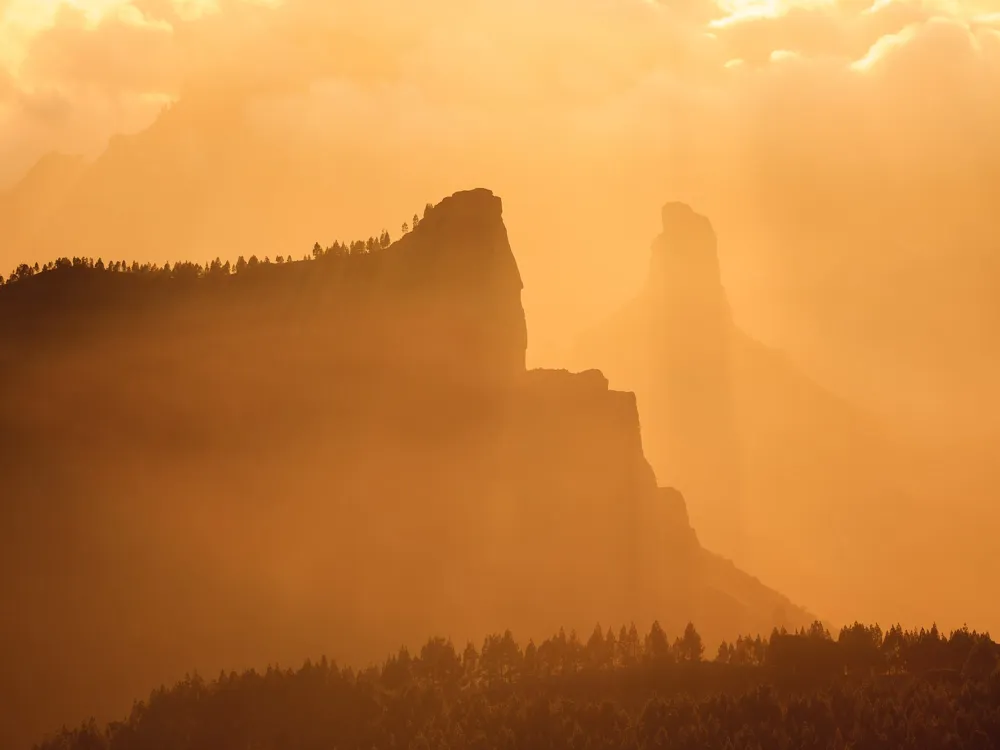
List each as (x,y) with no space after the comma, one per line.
(863,689)
(214,268)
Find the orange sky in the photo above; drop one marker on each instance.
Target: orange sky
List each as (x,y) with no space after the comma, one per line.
(74,72)
(789,124)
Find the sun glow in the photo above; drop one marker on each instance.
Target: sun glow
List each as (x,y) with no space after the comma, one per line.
(738,11)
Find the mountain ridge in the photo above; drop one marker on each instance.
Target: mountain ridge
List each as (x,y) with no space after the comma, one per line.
(345,449)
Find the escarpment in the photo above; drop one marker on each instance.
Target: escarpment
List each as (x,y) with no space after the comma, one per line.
(340,455)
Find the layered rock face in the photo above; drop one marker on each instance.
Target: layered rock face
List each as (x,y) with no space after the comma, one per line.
(335,456)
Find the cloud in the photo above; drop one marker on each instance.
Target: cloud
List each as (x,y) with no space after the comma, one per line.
(124,53)
(724,104)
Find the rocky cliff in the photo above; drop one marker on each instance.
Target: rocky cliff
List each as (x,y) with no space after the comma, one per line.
(691,421)
(335,455)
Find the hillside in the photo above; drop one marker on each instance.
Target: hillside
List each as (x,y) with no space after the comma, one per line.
(211,467)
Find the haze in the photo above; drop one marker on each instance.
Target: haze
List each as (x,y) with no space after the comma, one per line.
(844,152)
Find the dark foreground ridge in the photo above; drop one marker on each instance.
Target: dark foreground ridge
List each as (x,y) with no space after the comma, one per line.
(211,465)
(867,689)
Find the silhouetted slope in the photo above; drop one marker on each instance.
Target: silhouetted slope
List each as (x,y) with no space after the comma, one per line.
(209,469)
(796,484)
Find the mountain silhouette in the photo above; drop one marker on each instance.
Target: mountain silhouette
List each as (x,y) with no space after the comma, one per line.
(210,466)
(207,177)
(776,468)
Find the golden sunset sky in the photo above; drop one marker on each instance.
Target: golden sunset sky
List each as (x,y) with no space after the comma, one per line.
(813,133)
(73,72)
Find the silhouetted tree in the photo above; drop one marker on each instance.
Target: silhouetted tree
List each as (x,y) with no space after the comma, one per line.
(723,655)
(657,645)
(689,646)
(597,657)
(439,662)
(861,647)
(470,660)
(501,657)
(530,663)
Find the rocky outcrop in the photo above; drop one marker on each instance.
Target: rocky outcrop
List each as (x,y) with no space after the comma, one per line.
(350,449)
(694,424)
(459,258)
(684,265)
(783,476)
(673,346)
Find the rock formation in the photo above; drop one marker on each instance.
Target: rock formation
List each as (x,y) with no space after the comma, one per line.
(673,345)
(789,480)
(693,424)
(341,454)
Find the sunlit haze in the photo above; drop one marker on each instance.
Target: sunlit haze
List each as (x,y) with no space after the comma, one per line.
(771,225)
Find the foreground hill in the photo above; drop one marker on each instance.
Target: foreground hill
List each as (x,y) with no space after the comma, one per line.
(210,467)
(777,468)
(866,689)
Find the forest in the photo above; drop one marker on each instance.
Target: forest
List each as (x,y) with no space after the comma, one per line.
(863,689)
(214,268)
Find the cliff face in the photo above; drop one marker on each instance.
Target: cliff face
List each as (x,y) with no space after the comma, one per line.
(783,476)
(336,455)
(575,487)
(673,345)
(691,419)
(459,259)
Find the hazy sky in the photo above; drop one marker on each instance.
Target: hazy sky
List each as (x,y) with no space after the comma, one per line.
(74,72)
(820,121)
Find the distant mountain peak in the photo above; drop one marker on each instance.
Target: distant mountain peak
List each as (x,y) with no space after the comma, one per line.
(684,270)
(685,234)
(677,213)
